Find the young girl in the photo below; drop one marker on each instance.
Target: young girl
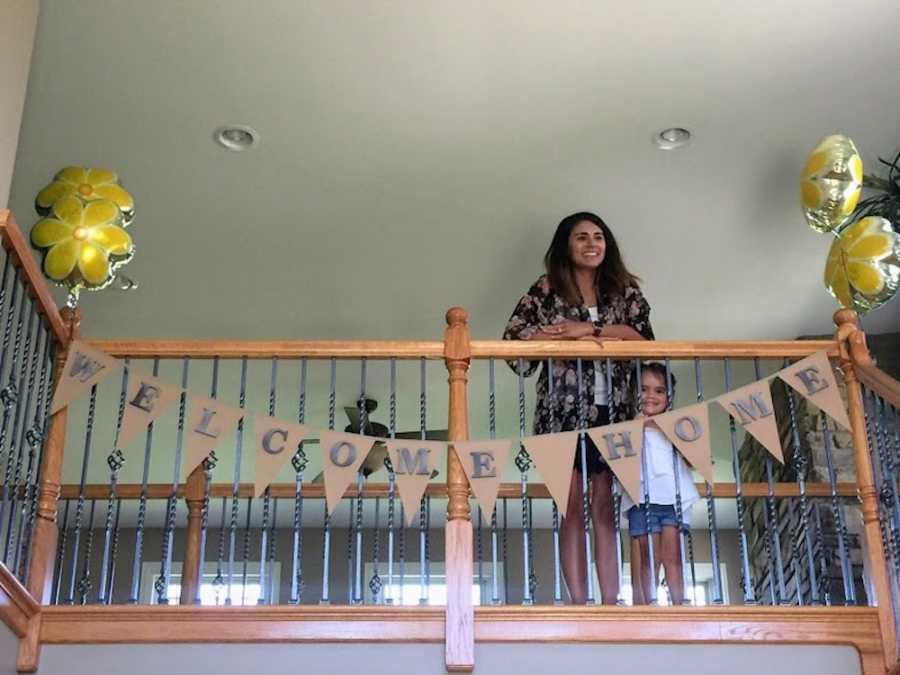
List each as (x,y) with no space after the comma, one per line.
(659,462)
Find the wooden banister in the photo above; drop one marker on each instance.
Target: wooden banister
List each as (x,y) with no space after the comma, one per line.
(674,349)
(20,253)
(266,349)
(847,328)
(880,382)
(459,644)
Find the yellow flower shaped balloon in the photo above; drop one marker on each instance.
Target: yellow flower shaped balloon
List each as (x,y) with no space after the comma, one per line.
(88,184)
(863,267)
(831,183)
(84,243)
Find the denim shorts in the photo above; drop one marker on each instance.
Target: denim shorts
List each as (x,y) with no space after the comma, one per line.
(659,515)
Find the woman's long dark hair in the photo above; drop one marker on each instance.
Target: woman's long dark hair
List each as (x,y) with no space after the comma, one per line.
(612,276)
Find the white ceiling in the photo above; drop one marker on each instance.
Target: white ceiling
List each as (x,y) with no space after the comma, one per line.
(417,155)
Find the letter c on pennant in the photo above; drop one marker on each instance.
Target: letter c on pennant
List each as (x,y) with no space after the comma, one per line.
(267,441)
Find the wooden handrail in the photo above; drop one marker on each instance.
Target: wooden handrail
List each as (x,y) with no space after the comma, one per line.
(266,349)
(880,382)
(674,349)
(133,491)
(20,253)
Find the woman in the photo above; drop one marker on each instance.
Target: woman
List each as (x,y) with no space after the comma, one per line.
(586,294)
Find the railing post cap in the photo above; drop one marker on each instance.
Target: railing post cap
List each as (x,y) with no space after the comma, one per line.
(457,316)
(844,315)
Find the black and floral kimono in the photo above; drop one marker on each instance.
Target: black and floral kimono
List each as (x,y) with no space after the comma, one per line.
(543,306)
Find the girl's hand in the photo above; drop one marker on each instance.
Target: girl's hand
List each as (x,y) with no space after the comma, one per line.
(566,330)
(600,340)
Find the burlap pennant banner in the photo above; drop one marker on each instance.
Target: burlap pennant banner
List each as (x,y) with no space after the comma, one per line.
(688,430)
(553,455)
(85,367)
(146,399)
(483,462)
(209,422)
(621,446)
(342,455)
(751,407)
(814,379)
(413,463)
(276,443)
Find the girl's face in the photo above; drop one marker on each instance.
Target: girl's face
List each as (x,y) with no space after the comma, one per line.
(587,246)
(654,397)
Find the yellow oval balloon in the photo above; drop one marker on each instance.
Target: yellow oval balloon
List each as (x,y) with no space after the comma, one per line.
(831,183)
(863,267)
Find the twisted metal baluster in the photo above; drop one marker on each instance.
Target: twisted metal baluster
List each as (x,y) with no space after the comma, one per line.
(218,582)
(679,510)
(235,485)
(351,596)
(428,545)
(479,552)
(718,594)
(401,553)
(162,585)
(645,506)
(392,486)
(267,495)
(585,492)
(35,437)
(274,584)
(617,500)
(136,570)
(838,513)
(505,553)
(10,397)
(375,583)
(889,505)
(746,575)
(326,527)
(299,463)
(245,557)
(360,482)
(114,554)
(424,567)
(801,464)
(492,421)
(825,557)
(19,433)
(60,555)
(84,582)
(524,463)
(208,464)
(773,537)
(115,461)
(79,506)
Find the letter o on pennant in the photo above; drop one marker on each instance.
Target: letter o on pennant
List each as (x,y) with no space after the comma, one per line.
(335,453)
(688,435)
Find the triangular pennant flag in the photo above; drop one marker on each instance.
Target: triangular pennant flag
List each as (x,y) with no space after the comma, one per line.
(553,455)
(751,406)
(276,443)
(209,422)
(688,430)
(85,366)
(483,462)
(814,379)
(413,463)
(621,446)
(146,399)
(342,455)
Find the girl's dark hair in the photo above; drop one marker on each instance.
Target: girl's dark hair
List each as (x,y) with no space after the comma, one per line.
(612,276)
(659,369)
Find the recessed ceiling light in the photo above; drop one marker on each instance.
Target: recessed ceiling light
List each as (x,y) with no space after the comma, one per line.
(236,137)
(672,138)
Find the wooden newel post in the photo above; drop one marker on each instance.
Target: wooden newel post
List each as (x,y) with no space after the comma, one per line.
(191,571)
(44,536)
(851,342)
(460,622)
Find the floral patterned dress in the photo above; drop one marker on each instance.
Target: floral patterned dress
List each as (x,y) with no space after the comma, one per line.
(543,306)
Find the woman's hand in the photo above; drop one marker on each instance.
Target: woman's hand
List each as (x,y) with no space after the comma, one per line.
(565,330)
(620,331)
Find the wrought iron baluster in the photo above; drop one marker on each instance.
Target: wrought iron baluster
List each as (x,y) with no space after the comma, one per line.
(58,570)
(84,581)
(115,461)
(272,590)
(838,513)
(424,567)
(645,506)
(492,422)
(801,464)
(505,553)
(136,569)
(679,510)
(524,463)
(8,395)
(360,482)
(267,495)
(218,582)
(162,582)
(245,557)
(746,574)
(114,553)
(617,498)
(79,506)
(235,485)
(392,486)
(326,528)
(718,593)
(581,403)
(886,486)
(299,462)
(375,583)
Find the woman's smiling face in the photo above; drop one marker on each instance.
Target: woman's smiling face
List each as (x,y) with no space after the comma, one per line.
(587,246)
